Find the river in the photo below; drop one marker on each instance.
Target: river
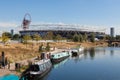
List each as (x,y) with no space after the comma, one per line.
(102,63)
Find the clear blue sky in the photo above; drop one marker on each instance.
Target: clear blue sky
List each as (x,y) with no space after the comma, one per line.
(86,12)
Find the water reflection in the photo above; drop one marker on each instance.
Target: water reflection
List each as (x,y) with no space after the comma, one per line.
(85,53)
(78,58)
(92,53)
(111,52)
(61,63)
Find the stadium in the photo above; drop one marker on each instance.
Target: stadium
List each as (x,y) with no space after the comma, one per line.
(59,28)
(62,29)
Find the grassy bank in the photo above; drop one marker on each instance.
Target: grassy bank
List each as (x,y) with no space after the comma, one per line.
(17,52)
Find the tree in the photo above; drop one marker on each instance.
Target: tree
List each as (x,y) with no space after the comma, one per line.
(80,38)
(54,37)
(47,47)
(41,48)
(107,37)
(16,37)
(112,38)
(92,37)
(117,37)
(69,36)
(58,37)
(75,38)
(49,36)
(5,38)
(7,34)
(26,38)
(36,37)
(85,37)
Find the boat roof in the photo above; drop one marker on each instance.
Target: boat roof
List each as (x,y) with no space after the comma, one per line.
(42,61)
(59,53)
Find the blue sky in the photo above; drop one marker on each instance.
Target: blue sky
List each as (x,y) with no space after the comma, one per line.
(85,12)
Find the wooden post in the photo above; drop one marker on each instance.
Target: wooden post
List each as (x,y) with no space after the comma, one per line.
(3,59)
(8,65)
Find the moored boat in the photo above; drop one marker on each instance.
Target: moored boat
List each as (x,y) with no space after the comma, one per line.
(60,56)
(75,51)
(37,70)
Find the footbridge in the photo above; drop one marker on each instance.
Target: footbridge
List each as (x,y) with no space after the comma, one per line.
(113,43)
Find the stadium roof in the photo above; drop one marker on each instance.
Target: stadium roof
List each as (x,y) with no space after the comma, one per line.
(66,27)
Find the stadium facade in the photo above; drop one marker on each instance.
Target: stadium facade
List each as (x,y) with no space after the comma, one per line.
(62,29)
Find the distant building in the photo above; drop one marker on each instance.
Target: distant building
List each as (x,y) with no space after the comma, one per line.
(112,32)
(12,33)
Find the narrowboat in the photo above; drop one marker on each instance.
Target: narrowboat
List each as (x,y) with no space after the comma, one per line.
(37,70)
(58,57)
(75,51)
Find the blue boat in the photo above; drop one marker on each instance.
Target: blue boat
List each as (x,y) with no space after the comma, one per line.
(58,57)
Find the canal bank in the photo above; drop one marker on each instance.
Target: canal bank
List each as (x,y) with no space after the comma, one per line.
(12,69)
(58,45)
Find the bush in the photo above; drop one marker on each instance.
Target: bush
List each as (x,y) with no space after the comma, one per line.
(80,38)
(92,39)
(75,38)
(47,47)
(41,48)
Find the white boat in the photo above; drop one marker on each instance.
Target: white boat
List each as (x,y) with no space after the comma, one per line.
(60,56)
(75,51)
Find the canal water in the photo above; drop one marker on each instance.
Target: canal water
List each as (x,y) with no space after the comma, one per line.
(94,64)
(102,63)
(9,77)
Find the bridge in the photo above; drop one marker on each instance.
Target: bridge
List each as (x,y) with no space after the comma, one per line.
(113,43)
